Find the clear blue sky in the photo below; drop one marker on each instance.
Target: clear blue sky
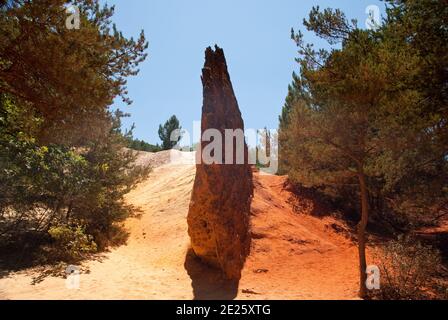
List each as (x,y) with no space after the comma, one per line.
(255,36)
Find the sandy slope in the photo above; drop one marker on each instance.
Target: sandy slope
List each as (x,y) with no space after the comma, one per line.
(293,255)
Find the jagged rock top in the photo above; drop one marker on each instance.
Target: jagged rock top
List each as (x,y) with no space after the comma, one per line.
(220,107)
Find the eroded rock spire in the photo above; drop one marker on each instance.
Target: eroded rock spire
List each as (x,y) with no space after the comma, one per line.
(218,217)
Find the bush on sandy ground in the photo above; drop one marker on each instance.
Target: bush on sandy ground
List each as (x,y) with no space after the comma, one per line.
(59,196)
(408,270)
(71,242)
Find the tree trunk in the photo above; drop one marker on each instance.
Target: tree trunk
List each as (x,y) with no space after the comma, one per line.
(361,234)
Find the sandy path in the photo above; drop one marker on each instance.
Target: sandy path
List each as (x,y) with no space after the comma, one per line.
(149,266)
(293,256)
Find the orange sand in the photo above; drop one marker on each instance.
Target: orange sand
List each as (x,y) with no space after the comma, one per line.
(293,255)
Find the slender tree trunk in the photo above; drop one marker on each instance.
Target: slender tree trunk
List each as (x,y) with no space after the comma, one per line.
(69,211)
(361,234)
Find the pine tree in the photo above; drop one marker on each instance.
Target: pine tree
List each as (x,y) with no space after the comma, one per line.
(166,131)
(69,76)
(63,169)
(371,123)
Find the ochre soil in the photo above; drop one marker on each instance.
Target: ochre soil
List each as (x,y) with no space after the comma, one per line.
(299,251)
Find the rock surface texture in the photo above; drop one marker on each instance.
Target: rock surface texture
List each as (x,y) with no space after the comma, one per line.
(218,217)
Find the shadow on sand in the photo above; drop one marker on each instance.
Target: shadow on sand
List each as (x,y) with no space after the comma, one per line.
(208,283)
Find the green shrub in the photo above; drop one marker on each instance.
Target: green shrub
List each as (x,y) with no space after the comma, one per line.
(43,186)
(71,242)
